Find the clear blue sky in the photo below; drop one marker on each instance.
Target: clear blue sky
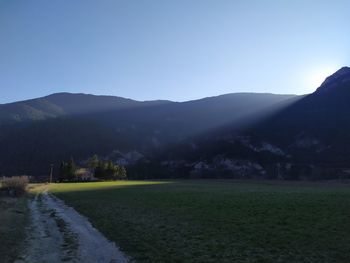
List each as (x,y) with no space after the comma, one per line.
(169,49)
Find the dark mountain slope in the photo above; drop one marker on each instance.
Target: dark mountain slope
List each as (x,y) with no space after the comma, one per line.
(30,147)
(37,109)
(308,139)
(85,103)
(177,121)
(322,117)
(62,104)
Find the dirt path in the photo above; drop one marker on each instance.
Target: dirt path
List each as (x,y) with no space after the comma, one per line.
(60,234)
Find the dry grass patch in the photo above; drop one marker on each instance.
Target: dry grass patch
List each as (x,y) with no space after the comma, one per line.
(15,186)
(13,219)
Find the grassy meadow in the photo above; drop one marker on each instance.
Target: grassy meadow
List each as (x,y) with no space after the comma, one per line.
(218,221)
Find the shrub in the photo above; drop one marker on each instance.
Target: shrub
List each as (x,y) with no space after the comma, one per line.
(15,186)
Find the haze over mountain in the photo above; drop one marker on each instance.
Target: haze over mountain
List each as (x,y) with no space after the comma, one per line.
(307,139)
(48,130)
(62,104)
(233,135)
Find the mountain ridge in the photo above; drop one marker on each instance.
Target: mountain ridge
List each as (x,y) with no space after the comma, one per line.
(227,136)
(308,139)
(29,146)
(339,78)
(60,104)
(64,103)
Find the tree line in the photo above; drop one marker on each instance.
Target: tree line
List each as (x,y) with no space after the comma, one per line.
(96,170)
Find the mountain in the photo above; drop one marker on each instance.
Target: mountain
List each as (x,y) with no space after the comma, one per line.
(61,104)
(336,83)
(308,139)
(322,117)
(47,130)
(318,126)
(229,136)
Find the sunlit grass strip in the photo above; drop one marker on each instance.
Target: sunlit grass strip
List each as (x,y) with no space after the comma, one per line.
(69,187)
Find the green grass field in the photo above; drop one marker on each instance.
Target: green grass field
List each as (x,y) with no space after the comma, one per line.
(218,221)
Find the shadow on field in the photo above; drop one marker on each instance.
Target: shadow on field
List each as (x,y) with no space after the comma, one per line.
(203,185)
(218,220)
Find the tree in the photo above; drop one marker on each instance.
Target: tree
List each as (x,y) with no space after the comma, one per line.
(63,172)
(93,162)
(100,171)
(121,172)
(71,168)
(109,171)
(67,170)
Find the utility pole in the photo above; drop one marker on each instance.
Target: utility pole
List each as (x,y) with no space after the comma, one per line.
(51,171)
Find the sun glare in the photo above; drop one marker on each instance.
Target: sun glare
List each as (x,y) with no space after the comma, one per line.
(317,76)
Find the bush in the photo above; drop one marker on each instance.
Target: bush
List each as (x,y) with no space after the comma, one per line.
(15,186)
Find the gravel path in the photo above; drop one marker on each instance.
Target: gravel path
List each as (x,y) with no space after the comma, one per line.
(60,234)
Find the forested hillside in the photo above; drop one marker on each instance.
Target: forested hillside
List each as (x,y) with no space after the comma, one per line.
(78,126)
